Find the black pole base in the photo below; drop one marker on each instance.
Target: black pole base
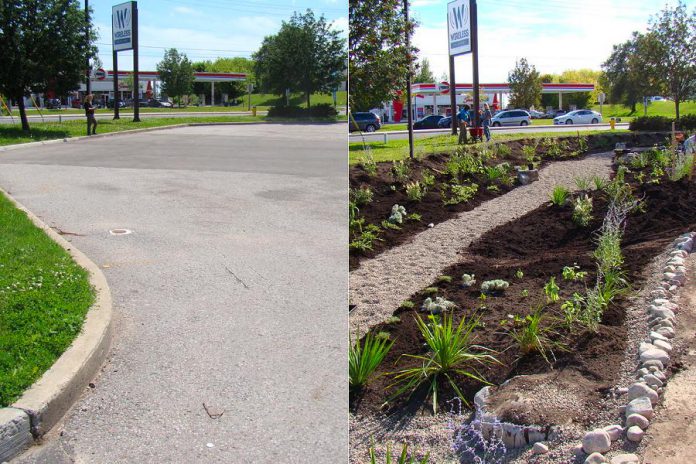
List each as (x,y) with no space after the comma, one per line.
(136,119)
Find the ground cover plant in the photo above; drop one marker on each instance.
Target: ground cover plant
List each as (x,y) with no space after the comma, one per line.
(435,188)
(44,297)
(564,306)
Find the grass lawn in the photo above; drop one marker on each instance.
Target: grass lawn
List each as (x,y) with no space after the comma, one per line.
(12,133)
(44,297)
(658,108)
(261,101)
(398,149)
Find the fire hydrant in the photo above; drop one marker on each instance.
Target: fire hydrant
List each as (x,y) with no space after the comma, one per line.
(612,123)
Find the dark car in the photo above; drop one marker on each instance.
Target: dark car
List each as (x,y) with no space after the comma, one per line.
(364,121)
(110,104)
(428,122)
(445,122)
(152,103)
(53,104)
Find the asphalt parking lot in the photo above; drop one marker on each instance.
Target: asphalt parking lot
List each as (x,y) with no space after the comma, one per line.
(230,291)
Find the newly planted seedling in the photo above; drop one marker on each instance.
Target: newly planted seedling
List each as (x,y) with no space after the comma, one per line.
(551,290)
(437,305)
(491,287)
(363,359)
(560,195)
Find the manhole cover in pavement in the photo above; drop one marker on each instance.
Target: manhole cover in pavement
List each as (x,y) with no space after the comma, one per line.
(120,231)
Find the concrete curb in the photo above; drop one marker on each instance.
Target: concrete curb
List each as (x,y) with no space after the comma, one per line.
(49,398)
(147,129)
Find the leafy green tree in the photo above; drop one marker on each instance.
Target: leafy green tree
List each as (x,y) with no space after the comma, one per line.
(424,74)
(306,55)
(379,58)
(42,46)
(670,49)
(525,85)
(176,72)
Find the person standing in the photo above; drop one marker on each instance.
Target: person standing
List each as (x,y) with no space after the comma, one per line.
(89,112)
(464,121)
(487,116)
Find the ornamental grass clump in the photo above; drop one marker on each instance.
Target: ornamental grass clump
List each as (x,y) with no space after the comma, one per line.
(533,336)
(365,358)
(451,353)
(560,195)
(403,458)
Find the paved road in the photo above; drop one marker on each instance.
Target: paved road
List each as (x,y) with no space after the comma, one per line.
(231,291)
(419,134)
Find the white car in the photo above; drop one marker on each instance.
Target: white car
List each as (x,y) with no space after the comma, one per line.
(579,117)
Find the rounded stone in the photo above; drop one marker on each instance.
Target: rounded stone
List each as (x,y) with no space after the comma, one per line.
(595,458)
(663,345)
(614,431)
(642,406)
(635,433)
(665,332)
(596,441)
(654,363)
(656,336)
(625,459)
(655,353)
(653,381)
(645,347)
(672,288)
(638,390)
(637,419)
(661,312)
(539,448)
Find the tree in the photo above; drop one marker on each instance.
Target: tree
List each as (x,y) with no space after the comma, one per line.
(176,72)
(306,55)
(425,74)
(525,85)
(43,45)
(670,48)
(379,59)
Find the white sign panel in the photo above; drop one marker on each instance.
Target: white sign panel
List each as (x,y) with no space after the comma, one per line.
(122,26)
(459,27)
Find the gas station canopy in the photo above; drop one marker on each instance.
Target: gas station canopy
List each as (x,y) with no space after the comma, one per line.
(197,76)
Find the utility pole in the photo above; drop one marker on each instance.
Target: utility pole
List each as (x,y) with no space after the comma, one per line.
(408,81)
(474,51)
(89,70)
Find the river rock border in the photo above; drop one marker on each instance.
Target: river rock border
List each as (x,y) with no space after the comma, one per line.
(641,396)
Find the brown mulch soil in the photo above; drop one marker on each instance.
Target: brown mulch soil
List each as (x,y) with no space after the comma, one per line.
(540,244)
(388,192)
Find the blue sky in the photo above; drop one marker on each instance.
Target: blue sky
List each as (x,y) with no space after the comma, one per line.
(554,35)
(206,29)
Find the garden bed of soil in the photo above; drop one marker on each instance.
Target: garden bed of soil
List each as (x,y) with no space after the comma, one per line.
(388,192)
(539,244)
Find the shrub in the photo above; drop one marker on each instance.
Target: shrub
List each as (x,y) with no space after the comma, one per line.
(401,170)
(415,191)
(650,123)
(460,194)
(451,352)
(464,164)
(427,178)
(503,150)
(494,286)
(361,196)
(364,359)
(582,211)
(438,305)
(397,214)
(560,195)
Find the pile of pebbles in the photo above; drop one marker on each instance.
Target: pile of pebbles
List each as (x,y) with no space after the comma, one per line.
(651,374)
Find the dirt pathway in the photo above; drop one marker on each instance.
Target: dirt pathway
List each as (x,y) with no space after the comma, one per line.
(379,285)
(670,438)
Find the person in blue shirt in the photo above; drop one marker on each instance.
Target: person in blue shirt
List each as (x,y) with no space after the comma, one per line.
(486,117)
(464,120)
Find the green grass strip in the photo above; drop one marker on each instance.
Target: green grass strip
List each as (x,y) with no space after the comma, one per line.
(44,297)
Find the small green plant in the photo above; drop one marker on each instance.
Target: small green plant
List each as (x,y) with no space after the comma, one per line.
(361,196)
(383,335)
(572,309)
(386,225)
(599,182)
(573,273)
(394,319)
(519,274)
(430,290)
(560,195)
(398,213)
(364,359)
(408,304)
(608,252)
(427,178)
(582,143)
(551,290)
(529,153)
(490,287)
(582,211)
(524,293)
(415,191)
(444,278)
(365,238)
(437,306)
(468,280)
(414,217)
(502,150)
(532,336)
(403,458)
(451,352)
(582,183)
(493,174)
(460,194)
(401,171)
(367,162)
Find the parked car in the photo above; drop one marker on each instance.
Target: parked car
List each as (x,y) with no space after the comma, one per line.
(53,104)
(428,122)
(445,122)
(152,103)
(579,117)
(536,114)
(110,104)
(511,118)
(364,121)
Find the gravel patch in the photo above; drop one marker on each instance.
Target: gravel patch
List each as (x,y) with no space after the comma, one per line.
(379,285)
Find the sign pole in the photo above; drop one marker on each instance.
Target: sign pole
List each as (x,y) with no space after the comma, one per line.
(136,80)
(408,83)
(116,99)
(89,77)
(474,51)
(453,95)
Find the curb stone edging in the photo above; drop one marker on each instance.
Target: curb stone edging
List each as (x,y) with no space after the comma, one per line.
(49,398)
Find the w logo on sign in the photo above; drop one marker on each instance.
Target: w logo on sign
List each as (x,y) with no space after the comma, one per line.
(459,16)
(123,18)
